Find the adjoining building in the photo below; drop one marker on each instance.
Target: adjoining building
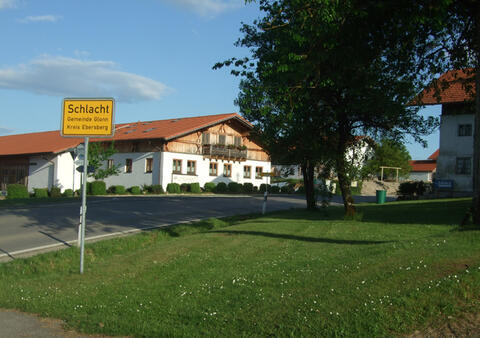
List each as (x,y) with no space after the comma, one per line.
(456,94)
(213,148)
(424,170)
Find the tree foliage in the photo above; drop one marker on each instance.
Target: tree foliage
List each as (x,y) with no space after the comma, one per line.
(98,154)
(389,153)
(322,73)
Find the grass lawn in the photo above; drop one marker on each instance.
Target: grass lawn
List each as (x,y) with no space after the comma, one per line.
(404,267)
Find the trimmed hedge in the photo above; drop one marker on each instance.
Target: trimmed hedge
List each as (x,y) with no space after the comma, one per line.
(68,193)
(17,191)
(40,192)
(173,188)
(55,192)
(157,189)
(118,189)
(98,188)
(135,190)
(185,187)
(287,189)
(221,188)
(209,187)
(235,188)
(274,189)
(195,188)
(263,187)
(247,188)
(414,188)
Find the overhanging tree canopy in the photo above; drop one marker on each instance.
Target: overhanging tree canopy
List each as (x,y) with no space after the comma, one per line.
(323,72)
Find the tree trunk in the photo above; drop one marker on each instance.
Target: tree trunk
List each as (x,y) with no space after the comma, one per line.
(345,183)
(476,135)
(308,178)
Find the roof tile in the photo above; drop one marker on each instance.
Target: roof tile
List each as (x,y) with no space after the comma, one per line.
(53,142)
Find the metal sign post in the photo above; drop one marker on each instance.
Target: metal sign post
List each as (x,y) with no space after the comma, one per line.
(86,117)
(265,194)
(84,206)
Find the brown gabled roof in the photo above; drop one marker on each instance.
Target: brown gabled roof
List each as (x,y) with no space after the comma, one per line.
(423,165)
(451,89)
(52,142)
(434,156)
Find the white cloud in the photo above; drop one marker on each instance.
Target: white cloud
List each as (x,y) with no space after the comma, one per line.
(208,8)
(40,18)
(68,77)
(8,4)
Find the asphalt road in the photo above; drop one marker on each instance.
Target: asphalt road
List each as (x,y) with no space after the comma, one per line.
(27,230)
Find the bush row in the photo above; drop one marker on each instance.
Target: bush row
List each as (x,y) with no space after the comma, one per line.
(414,189)
(15,191)
(99,188)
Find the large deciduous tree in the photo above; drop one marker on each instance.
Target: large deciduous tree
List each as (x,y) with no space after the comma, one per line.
(323,72)
(388,153)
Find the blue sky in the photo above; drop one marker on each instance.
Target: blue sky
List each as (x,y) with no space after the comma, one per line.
(154,57)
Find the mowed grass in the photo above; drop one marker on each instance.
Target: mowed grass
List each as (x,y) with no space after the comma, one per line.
(404,267)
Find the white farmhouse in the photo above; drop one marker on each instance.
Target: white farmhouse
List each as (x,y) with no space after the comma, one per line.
(455,155)
(214,148)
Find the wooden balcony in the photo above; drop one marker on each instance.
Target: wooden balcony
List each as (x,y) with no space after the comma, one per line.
(224,153)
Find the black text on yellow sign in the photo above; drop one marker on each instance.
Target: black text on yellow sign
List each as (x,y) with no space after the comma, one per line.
(88,117)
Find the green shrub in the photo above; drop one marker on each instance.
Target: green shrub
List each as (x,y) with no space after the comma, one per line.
(221,188)
(263,187)
(274,189)
(157,189)
(55,192)
(17,191)
(287,189)
(119,190)
(184,187)
(173,188)
(68,193)
(147,189)
(235,188)
(247,188)
(195,188)
(209,187)
(40,192)
(414,188)
(89,188)
(135,190)
(98,188)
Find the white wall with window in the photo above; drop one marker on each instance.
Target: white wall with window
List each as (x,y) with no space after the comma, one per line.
(226,171)
(139,174)
(456,150)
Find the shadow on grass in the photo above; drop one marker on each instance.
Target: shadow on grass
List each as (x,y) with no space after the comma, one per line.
(299,238)
(426,212)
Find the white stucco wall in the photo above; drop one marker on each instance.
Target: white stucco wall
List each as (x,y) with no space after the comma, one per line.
(453,146)
(60,171)
(420,176)
(40,173)
(138,176)
(203,170)
(65,173)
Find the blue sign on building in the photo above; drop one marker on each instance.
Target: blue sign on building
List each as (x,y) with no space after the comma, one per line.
(443,184)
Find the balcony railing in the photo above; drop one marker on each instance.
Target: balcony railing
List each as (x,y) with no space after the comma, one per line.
(219,151)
